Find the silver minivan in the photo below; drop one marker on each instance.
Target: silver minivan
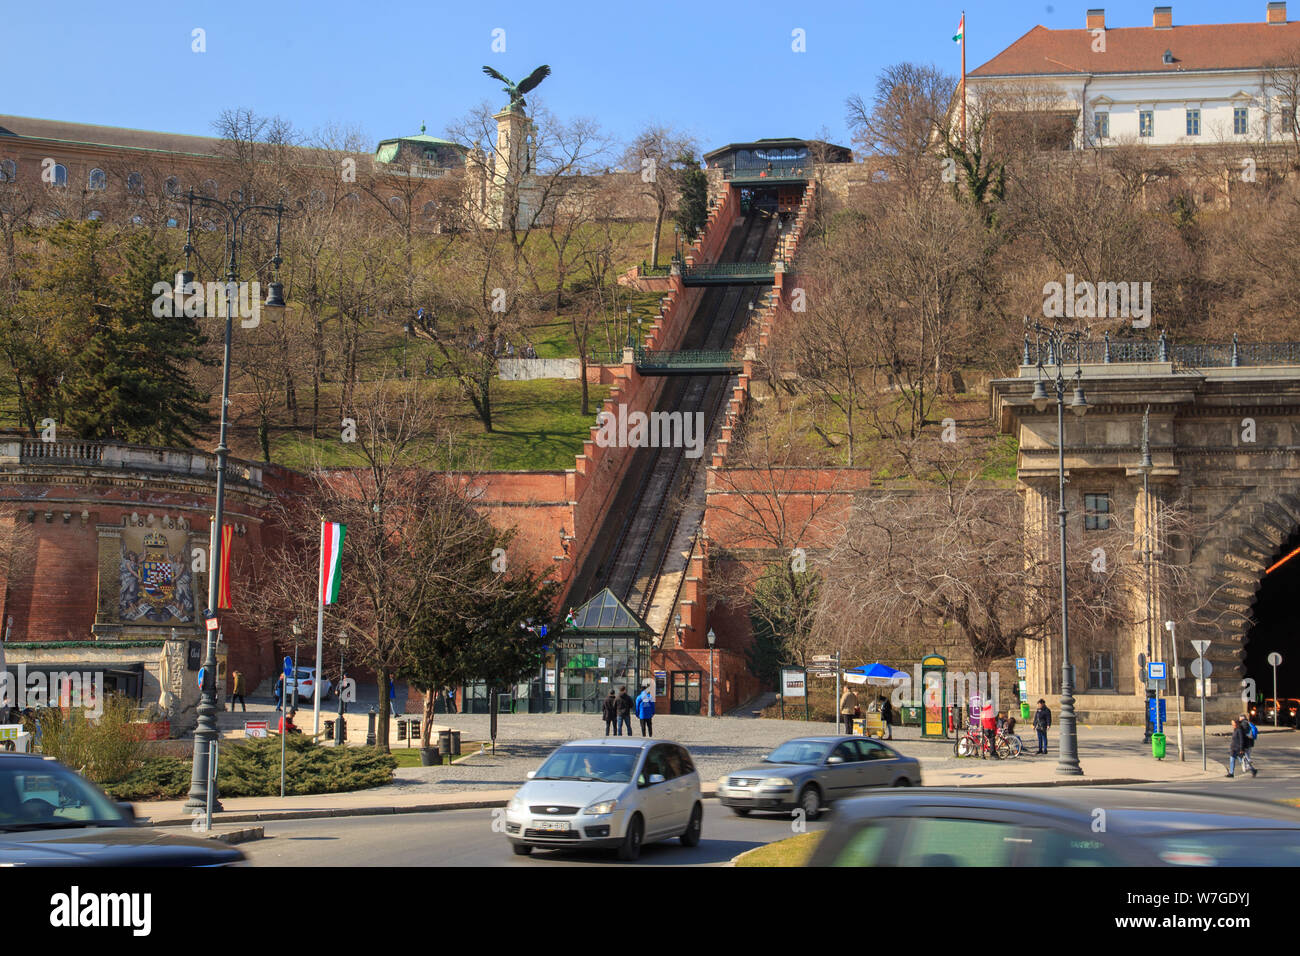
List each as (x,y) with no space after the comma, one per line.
(611,792)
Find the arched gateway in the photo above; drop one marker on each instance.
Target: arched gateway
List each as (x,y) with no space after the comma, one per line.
(1224,439)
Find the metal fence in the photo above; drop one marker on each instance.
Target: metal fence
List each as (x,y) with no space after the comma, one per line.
(1212,355)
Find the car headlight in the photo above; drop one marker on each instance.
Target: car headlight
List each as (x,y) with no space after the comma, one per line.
(515,803)
(722,783)
(602,808)
(773,782)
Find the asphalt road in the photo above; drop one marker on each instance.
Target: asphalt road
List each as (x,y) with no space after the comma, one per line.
(466,838)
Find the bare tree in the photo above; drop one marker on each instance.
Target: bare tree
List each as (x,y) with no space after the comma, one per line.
(658,155)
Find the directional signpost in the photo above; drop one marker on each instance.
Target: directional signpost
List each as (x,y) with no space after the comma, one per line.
(1201,670)
(1274,659)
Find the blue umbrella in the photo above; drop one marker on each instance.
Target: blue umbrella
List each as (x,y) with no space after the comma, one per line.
(876,673)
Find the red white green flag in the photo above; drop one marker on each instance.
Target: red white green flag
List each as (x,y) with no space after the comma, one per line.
(331,560)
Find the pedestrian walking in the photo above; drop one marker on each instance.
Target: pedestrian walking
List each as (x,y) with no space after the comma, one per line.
(848,709)
(279,692)
(1042,720)
(887,717)
(623,710)
(1243,740)
(237,691)
(645,712)
(609,711)
(392,698)
(451,700)
(989,721)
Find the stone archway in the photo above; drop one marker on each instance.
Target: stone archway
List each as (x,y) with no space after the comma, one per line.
(1237,582)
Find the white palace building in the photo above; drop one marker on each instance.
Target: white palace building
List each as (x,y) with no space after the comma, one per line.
(1158,85)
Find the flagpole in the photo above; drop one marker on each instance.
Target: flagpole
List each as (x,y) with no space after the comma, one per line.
(320,630)
(963,78)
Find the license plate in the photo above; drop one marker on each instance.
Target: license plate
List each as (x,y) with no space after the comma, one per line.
(550,825)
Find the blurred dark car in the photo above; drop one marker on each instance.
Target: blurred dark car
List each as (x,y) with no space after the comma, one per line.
(50,816)
(1082,827)
(810,772)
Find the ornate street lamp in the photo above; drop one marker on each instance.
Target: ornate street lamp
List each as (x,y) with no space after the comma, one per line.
(712,637)
(235,211)
(343,674)
(1056,378)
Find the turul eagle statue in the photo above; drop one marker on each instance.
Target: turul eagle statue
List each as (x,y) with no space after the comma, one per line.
(517,90)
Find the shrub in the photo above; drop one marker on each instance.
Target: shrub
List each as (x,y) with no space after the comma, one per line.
(104,749)
(158,778)
(252,768)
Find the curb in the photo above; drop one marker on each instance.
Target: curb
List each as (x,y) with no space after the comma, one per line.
(244,835)
(707,793)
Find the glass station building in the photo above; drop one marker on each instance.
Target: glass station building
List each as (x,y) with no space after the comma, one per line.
(605,647)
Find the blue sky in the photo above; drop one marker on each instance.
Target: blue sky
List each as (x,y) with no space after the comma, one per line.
(723,71)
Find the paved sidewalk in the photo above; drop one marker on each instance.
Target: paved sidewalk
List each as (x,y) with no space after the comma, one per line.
(720,746)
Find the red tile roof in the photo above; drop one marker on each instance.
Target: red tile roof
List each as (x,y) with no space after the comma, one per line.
(1220,46)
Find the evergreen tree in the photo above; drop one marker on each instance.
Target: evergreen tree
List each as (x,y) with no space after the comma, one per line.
(693,206)
(127,372)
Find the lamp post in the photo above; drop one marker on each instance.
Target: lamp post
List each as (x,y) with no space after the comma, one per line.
(297,633)
(1145,468)
(1057,338)
(343,674)
(206,731)
(1173,647)
(712,637)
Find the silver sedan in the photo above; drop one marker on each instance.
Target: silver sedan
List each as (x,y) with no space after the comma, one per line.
(810,772)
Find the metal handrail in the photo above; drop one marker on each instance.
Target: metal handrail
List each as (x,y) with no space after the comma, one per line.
(1190,355)
(762,172)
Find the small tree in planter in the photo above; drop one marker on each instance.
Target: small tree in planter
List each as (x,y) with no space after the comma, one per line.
(477,631)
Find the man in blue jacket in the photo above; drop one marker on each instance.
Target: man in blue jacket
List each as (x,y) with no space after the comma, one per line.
(645,712)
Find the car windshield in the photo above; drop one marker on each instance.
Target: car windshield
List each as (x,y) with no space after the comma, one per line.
(1263,847)
(606,764)
(799,751)
(50,796)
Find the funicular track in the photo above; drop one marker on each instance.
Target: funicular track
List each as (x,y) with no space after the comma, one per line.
(644,515)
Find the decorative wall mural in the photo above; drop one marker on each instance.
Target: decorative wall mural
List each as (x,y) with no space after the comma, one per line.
(156,582)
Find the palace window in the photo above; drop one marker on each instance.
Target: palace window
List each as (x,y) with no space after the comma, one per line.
(1146,123)
(60,175)
(1102,122)
(172,186)
(1096,512)
(135,184)
(210,187)
(1240,120)
(97,180)
(1193,122)
(1101,671)
(8,170)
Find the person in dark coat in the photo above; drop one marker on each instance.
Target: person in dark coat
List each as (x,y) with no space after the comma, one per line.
(609,711)
(279,692)
(1238,747)
(887,717)
(623,708)
(1042,720)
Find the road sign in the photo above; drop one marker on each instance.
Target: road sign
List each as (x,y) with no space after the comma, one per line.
(1202,668)
(1020,665)
(288,667)
(823,659)
(1275,659)
(1155,670)
(255,728)
(212,624)
(1201,647)
(793,683)
(822,673)
(202,673)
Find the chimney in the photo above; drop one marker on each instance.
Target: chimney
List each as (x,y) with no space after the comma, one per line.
(1277,12)
(1163,18)
(1097,19)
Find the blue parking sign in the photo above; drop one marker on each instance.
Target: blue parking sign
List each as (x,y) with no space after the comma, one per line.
(1156,670)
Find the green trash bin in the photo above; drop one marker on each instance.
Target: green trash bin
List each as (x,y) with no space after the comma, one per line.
(1024,710)
(1158,746)
(911,715)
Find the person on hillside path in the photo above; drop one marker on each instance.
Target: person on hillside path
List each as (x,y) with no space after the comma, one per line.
(609,711)
(237,691)
(623,708)
(1042,720)
(887,717)
(645,712)
(848,709)
(989,721)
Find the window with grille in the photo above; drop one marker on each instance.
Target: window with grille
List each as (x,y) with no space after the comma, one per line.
(1240,120)
(1193,122)
(1146,123)
(1101,671)
(1096,512)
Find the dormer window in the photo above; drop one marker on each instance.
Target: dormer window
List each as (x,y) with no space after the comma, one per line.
(1169,56)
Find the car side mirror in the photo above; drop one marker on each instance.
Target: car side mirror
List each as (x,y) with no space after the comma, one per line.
(656,778)
(835,760)
(531,774)
(128,811)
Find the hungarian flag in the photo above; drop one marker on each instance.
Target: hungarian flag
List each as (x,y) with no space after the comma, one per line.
(961,30)
(223,583)
(331,560)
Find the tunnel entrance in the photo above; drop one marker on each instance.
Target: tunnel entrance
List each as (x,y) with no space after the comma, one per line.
(1276,627)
